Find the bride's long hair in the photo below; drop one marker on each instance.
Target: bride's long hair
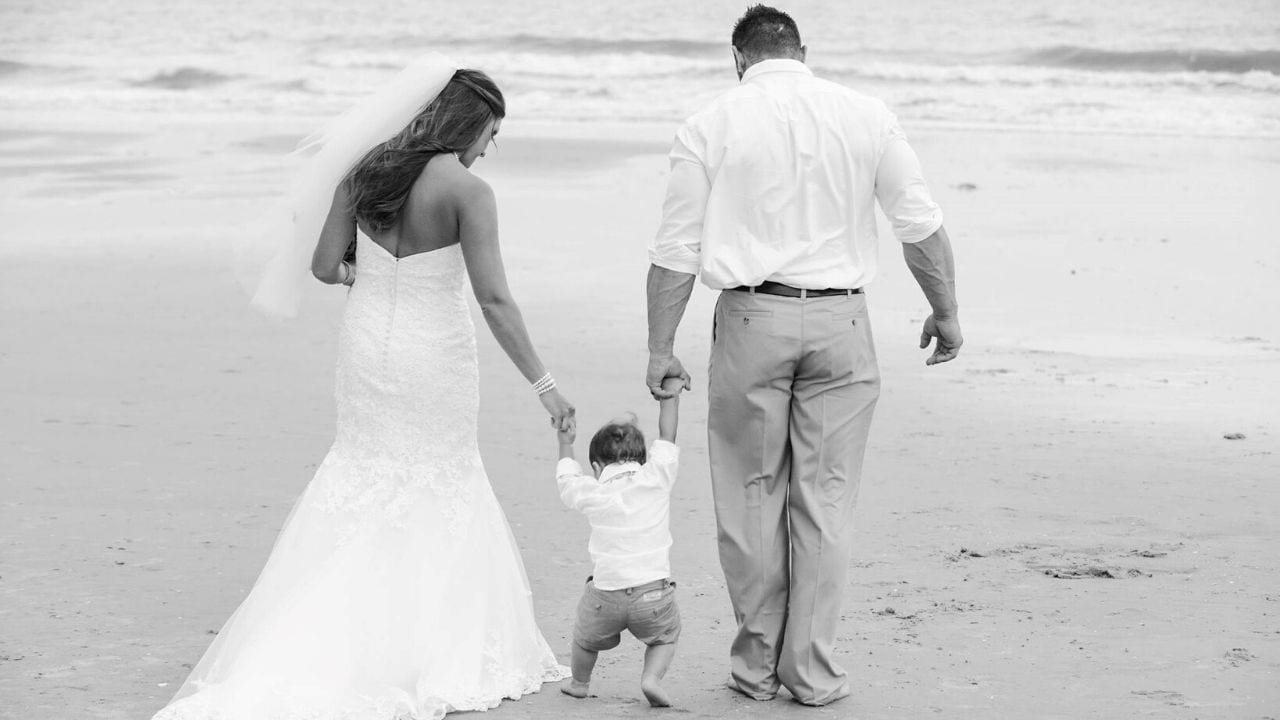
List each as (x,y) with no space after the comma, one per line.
(379,184)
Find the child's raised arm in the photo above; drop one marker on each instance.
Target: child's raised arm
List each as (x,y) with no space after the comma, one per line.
(669,409)
(566,438)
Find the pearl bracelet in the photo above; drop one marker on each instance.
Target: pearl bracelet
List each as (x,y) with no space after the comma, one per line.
(544,384)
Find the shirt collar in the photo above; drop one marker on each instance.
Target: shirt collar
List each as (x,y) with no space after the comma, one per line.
(773,65)
(613,470)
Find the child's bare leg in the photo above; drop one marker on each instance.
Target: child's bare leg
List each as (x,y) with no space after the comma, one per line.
(582,663)
(657,658)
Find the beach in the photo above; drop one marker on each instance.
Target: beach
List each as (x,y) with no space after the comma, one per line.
(1055,525)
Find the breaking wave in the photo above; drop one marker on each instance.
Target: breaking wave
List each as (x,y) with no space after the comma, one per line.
(1156,61)
(184,78)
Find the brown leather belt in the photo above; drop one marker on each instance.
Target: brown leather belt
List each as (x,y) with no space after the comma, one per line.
(774,288)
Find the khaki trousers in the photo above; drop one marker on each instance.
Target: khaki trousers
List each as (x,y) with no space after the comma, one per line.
(793,383)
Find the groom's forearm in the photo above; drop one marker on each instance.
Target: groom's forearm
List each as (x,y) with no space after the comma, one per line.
(934,268)
(668,293)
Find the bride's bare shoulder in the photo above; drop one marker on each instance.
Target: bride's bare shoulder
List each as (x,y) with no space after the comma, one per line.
(445,179)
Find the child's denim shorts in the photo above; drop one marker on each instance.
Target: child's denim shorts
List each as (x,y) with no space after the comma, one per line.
(649,611)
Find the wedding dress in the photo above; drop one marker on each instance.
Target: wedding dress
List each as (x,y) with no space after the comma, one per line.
(395,589)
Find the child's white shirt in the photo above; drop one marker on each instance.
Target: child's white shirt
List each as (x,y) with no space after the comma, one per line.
(629,509)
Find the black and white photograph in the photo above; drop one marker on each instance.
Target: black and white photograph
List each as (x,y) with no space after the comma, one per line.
(603,359)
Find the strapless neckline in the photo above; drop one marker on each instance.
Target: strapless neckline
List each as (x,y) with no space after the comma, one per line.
(401,258)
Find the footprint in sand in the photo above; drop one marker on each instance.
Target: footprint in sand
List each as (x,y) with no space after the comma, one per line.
(1077,573)
(1236,657)
(1091,571)
(1169,697)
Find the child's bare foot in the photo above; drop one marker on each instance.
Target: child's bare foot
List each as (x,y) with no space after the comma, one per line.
(654,693)
(573,688)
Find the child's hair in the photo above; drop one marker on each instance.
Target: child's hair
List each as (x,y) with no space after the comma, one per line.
(617,442)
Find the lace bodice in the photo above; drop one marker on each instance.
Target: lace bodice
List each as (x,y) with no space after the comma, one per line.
(407,386)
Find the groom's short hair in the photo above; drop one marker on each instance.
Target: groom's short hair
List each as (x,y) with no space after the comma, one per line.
(764,32)
(617,442)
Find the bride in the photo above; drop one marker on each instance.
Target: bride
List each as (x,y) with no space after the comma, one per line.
(395,589)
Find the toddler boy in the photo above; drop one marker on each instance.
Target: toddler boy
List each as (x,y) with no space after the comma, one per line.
(627,503)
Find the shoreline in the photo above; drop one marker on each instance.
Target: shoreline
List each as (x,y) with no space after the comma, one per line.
(648,130)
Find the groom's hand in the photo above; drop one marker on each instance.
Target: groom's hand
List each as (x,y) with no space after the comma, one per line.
(949,339)
(661,368)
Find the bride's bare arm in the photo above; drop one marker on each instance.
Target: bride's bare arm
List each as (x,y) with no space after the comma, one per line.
(335,237)
(478,234)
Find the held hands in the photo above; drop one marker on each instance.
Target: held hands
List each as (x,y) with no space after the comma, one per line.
(568,436)
(947,331)
(661,369)
(560,409)
(565,436)
(673,385)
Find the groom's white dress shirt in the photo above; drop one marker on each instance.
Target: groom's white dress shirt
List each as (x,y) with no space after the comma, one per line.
(629,509)
(777,179)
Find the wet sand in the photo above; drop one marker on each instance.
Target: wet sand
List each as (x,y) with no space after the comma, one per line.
(1053,526)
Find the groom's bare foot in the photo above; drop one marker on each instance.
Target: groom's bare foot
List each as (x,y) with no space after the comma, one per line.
(573,688)
(654,693)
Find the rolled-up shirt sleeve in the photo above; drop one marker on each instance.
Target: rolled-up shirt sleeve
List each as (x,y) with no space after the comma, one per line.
(678,243)
(578,491)
(901,190)
(663,463)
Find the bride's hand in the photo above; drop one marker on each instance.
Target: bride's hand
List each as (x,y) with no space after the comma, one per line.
(560,408)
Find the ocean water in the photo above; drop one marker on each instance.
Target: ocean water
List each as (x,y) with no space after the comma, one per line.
(1190,67)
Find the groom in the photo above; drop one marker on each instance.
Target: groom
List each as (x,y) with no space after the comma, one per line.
(771,198)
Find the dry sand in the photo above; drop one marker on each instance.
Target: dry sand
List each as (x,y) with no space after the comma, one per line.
(1053,526)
